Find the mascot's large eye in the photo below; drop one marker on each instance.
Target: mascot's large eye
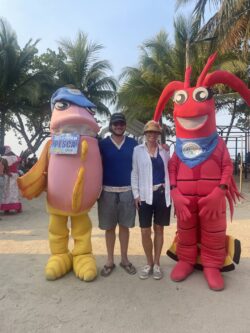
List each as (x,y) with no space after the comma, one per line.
(91,111)
(62,105)
(202,94)
(180,97)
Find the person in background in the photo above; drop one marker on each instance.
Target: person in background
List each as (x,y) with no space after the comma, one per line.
(151,190)
(34,159)
(116,204)
(3,171)
(10,199)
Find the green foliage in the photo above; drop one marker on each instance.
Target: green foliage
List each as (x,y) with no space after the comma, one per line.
(82,68)
(17,81)
(142,86)
(229,27)
(27,81)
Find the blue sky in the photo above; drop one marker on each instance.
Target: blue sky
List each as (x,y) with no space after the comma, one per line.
(120,26)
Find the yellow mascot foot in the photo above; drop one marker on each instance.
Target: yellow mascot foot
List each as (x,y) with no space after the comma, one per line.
(85,267)
(58,265)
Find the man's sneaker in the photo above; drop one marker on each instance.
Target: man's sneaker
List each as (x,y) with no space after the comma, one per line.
(157,272)
(145,272)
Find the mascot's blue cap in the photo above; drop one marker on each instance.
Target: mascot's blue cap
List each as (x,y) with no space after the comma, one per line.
(75,96)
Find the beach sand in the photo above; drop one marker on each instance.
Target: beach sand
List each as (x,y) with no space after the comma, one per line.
(120,302)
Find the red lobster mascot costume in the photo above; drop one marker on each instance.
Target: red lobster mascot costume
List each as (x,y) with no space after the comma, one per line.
(200,173)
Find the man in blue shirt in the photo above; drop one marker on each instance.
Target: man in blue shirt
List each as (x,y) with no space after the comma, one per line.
(116,203)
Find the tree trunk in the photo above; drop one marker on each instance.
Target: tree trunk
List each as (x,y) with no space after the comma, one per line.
(2,127)
(163,133)
(231,121)
(187,53)
(33,141)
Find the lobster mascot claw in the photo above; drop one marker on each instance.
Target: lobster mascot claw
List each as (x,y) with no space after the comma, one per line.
(201,176)
(70,170)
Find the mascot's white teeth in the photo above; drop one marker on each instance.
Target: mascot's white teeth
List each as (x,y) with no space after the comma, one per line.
(192,123)
(76,129)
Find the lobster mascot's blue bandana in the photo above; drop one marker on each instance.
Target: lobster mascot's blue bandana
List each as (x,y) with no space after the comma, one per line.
(194,151)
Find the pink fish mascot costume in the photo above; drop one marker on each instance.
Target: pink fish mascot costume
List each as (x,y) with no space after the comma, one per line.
(200,174)
(70,170)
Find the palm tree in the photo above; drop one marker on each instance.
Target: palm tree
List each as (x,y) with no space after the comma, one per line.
(188,51)
(230,25)
(83,70)
(141,86)
(17,82)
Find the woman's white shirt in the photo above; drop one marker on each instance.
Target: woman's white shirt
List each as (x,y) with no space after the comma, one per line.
(142,174)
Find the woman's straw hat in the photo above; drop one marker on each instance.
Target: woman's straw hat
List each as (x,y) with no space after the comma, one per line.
(152,126)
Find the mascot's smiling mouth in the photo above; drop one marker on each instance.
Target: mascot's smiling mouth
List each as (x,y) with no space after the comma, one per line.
(192,123)
(83,129)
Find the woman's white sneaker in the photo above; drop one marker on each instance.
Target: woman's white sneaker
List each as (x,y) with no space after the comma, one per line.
(157,272)
(145,272)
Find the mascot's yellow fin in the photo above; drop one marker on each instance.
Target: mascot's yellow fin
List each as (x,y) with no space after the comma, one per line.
(35,189)
(77,191)
(233,249)
(34,182)
(233,246)
(84,150)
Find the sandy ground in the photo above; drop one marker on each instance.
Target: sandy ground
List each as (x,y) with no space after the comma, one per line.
(119,303)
